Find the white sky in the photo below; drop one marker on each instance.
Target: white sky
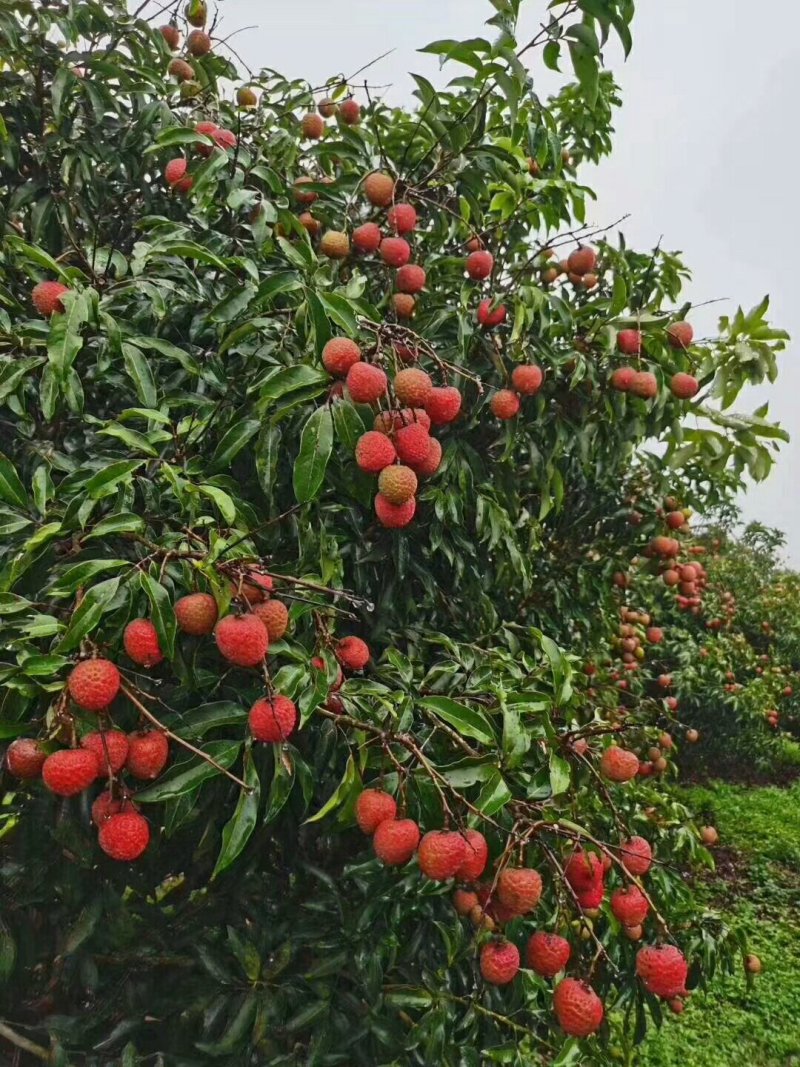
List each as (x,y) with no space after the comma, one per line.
(704,153)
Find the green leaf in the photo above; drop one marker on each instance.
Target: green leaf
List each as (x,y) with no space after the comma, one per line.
(191,250)
(587,70)
(494,795)
(102,483)
(341,793)
(161,613)
(83,573)
(138,370)
(36,256)
(224,502)
(237,831)
(88,615)
(340,311)
(65,341)
(316,443)
(467,721)
(233,441)
(121,522)
(560,774)
(287,379)
(349,424)
(11,488)
(211,716)
(179,781)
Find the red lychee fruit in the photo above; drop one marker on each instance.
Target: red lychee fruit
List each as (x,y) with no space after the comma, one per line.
(25,758)
(327,107)
(395,841)
(441,853)
(504,404)
(404,305)
(618,764)
(654,634)
(110,748)
(583,870)
(410,279)
(443,404)
(318,663)
(184,186)
(479,264)
(373,807)
(309,223)
(683,386)
(172,36)
(402,218)
(275,616)
(148,752)
(675,519)
(107,804)
(412,443)
(255,586)
(527,379)
(637,855)
(181,70)
(304,196)
(413,387)
(198,43)
(140,640)
(397,483)
(680,334)
(464,900)
(577,1007)
(629,906)
(709,835)
(367,238)
(366,383)
(592,898)
(663,970)
(547,954)
(753,964)
(410,416)
(312,126)
(352,653)
(476,855)
(629,342)
(272,720)
(175,170)
(350,112)
(46,297)
(339,355)
(644,385)
(395,251)
(196,614)
(242,639)
(124,836)
(225,139)
(210,130)
(519,889)
(379,188)
(69,771)
(394,516)
(488,317)
(93,684)
(335,245)
(430,465)
(622,378)
(374,451)
(582,260)
(499,962)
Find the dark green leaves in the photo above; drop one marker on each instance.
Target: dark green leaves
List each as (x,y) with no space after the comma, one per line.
(161,613)
(238,829)
(182,779)
(468,721)
(316,443)
(12,490)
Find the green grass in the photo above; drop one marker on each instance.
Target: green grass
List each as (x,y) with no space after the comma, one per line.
(758,889)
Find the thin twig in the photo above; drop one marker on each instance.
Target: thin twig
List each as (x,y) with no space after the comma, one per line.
(39,1051)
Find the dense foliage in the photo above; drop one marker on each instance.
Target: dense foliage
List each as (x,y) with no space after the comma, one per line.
(170,427)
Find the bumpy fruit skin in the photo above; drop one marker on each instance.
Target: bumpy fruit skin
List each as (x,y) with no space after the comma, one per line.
(394,516)
(148,752)
(547,954)
(499,962)
(327,107)
(93,684)
(430,465)
(350,112)
(197,13)
(410,279)
(489,317)
(225,139)
(106,805)
(654,634)
(367,238)
(504,404)
(479,265)
(46,297)
(335,245)
(629,906)
(309,223)
(411,416)
(629,342)
(476,856)
(412,443)
(395,251)
(184,186)
(582,260)
(680,334)
(379,188)
(198,43)
(140,640)
(441,853)
(644,385)
(69,771)
(366,383)
(110,748)
(172,36)
(618,764)
(352,653)
(527,379)
(196,614)
(275,616)
(246,97)
(312,126)
(272,720)
(583,870)
(578,1008)
(464,900)
(181,70)
(637,855)
(404,305)
(397,483)
(402,218)
(443,405)
(663,970)
(373,807)
(242,639)
(519,889)
(395,841)
(413,387)
(683,386)
(175,170)
(374,451)
(339,355)
(124,836)
(709,835)
(301,195)
(25,758)
(622,378)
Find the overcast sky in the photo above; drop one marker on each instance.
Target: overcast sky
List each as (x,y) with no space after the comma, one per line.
(704,153)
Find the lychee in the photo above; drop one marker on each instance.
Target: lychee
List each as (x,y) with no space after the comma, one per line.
(148,752)
(373,807)
(335,245)
(547,954)
(479,264)
(629,342)
(93,684)
(430,465)
(412,387)
(577,1007)
(181,70)
(402,218)
(412,443)
(489,316)
(397,483)
(140,640)
(504,404)
(527,379)
(301,195)
(464,900)
(107,804)
(311,225)
(367,238)
(366,383)
(583,870)
(198,43)
(275,616)
(312,126)
(404,305)
(46,297)
(272,719)
(410,279)
(175,170)
(582,261)
(443,404)
(394,516)
(622,378)
(395,841)
(379,188)
(683,386)
(644,385)
(476,855)
(441,853)
(629,905)
(246,97)
(395,251)
(519,889)
(242,639)
(124,836)
(663,970)
(197,12)
(654,634)
(680,334)
(374,451)
(339,355)
(172,36)
(618,764)
(110,748)
(350,112)
(69,771)
(499,962)
(196,614)
(637,855)
(25,758)
(709,835)
(352,653)
(327,107)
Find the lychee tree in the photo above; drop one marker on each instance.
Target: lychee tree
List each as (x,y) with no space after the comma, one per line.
(324,428)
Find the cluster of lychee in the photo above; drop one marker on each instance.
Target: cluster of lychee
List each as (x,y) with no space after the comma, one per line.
(643,383)
(176,172)
(579,268)
(634,631)
(479,265)
(198,44)
(312,124)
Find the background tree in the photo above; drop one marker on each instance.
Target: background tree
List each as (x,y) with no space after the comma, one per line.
(221,319)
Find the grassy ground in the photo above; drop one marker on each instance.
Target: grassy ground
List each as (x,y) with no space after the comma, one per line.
(757,886)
